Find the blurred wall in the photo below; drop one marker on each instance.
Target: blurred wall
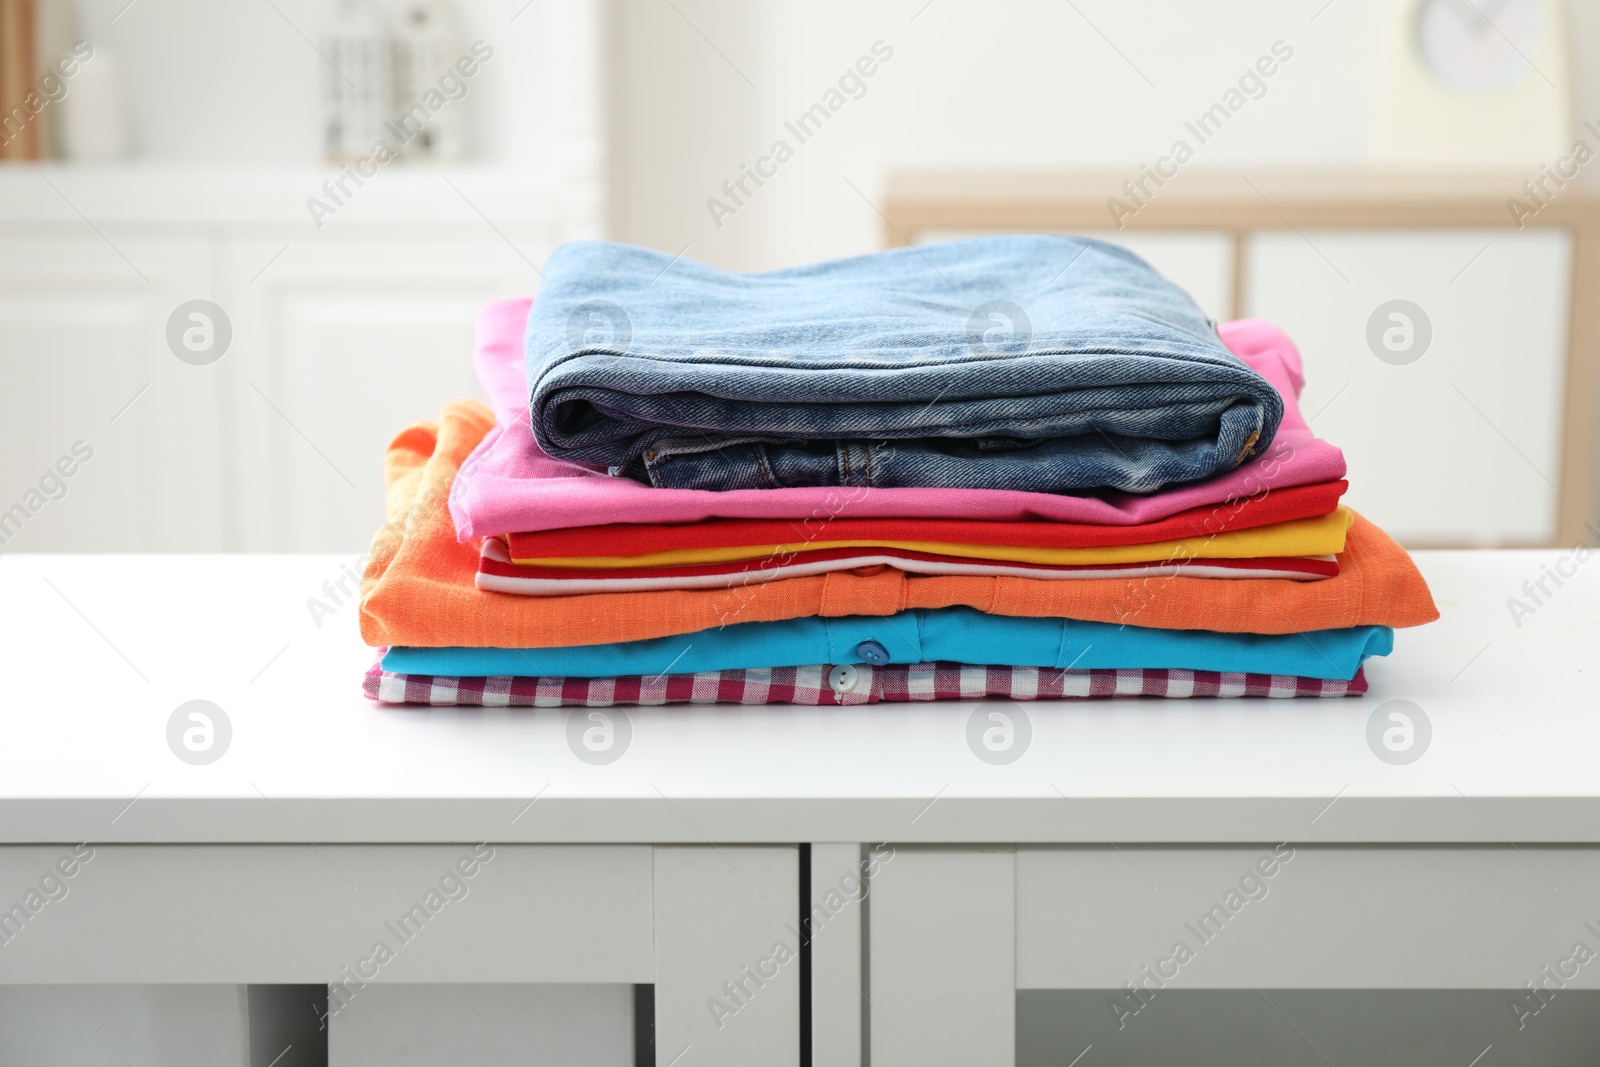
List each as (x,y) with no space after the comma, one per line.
(700,88)
(1585,22)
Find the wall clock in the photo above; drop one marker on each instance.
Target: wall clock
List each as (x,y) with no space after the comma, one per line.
(1475,83)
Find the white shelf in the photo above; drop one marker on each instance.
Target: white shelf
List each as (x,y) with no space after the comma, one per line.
(172,195)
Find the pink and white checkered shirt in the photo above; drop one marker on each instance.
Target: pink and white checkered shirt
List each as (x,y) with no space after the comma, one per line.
(836,685)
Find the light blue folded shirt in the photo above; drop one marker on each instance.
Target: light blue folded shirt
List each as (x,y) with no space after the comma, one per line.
(953,635)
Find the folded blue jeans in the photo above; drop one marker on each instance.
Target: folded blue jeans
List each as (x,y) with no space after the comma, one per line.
(922,635)
(1057,364)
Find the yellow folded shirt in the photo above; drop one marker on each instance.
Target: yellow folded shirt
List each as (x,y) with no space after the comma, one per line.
(1320,536)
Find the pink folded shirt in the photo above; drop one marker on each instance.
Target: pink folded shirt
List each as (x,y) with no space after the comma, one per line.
(509,486)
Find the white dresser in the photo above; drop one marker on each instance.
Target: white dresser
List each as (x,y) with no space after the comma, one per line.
(1453,852)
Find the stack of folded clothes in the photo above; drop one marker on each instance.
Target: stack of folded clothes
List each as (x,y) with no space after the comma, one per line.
(1021,467)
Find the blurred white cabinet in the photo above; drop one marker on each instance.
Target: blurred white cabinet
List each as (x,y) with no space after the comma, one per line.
(340,337)
(340,347)
(1461,443)
(85,360)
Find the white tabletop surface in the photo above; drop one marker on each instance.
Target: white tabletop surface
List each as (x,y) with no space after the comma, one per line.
(99,651)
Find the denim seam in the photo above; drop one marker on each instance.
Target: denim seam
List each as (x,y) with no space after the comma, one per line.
(1249,446)
(657,479)
(844,451)
(1042,418)
(866,452)
(761,461)
(669,446)
(1012,420)
(1177,352)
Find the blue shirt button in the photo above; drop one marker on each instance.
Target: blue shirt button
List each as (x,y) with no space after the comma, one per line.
(873,653)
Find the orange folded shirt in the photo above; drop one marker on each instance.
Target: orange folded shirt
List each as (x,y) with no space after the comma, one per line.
(418,589)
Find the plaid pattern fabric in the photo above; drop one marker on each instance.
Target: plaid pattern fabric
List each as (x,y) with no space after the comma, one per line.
(810,685)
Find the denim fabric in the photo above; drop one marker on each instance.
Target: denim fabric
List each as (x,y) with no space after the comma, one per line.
(954,635)
(1019,362)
